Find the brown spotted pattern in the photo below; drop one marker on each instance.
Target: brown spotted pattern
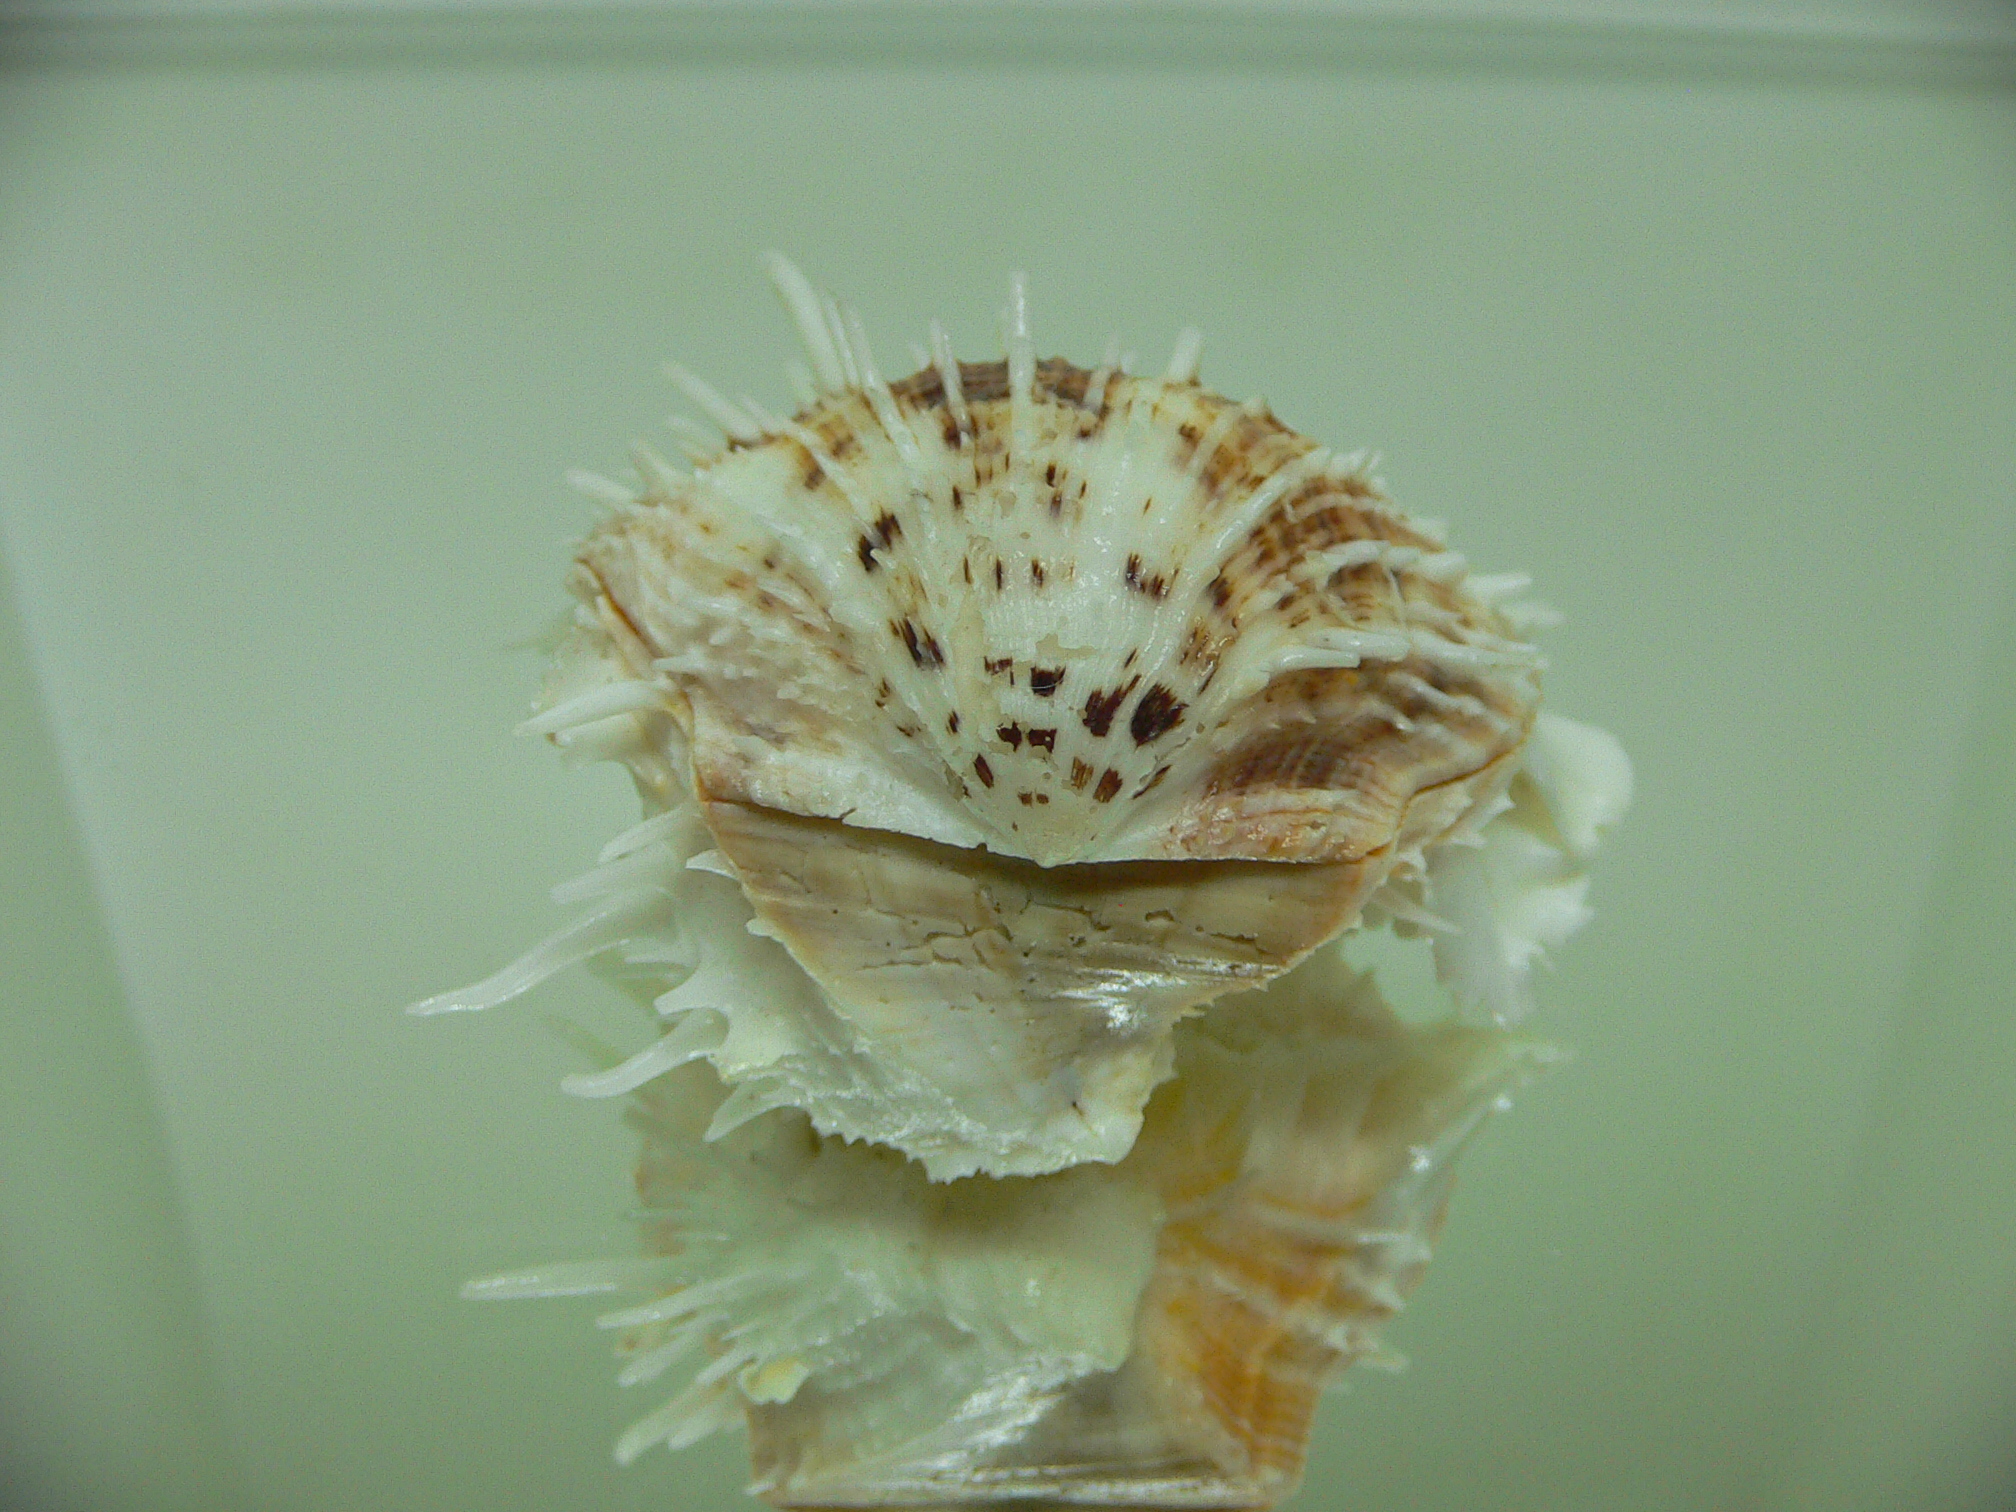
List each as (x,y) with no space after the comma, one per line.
(871,612)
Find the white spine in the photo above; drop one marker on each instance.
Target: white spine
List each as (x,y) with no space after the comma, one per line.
(1021,383)
(659,476)
(1323,565)
(1531,615)
(1494,587)
(645,867)
(596,703)
(803,303)
(1095,391)
(614,922)
(1021,351)
(646,832)
(1446,567)
(948,374)
(567,1278)
(884,404)
(699,1034)
(602,490)
(850,371)
(708,400)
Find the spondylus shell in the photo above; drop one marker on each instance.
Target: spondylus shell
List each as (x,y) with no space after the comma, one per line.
(1032,707)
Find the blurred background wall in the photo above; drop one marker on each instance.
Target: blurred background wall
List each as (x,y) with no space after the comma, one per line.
(1706,315)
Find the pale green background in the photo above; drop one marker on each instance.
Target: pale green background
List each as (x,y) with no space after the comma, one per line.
(294,350)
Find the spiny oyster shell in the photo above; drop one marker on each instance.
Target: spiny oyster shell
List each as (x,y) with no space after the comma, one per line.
(1015,742)
(1030,708)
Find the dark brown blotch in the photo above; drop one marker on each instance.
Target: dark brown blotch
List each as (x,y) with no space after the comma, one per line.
(1102,704)
(1044,681)
(922,644)
(1043,740)
(983,771)
(1198,645)
(1153,584)
(1011,735)
(1159,712)
(1109,786)
(884,533)
(1080,775)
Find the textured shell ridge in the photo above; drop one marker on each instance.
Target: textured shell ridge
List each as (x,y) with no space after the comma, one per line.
(972,606)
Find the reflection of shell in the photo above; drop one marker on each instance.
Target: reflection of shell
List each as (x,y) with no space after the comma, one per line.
(953,664)
(1298,1166)
(1149,1333)
(1012,738)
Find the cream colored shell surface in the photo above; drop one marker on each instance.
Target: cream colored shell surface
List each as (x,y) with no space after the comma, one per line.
(1067,615)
